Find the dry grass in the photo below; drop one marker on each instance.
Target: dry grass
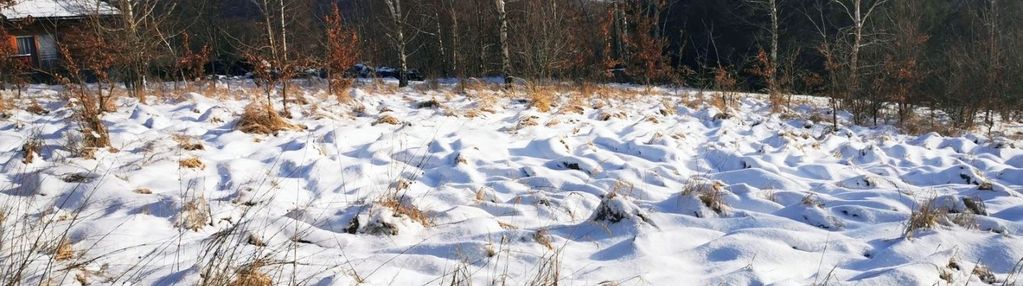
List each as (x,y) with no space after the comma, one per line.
(713,201)
(250,275)
(927,216)
(408,210)
(5,106)
(87,114)
(477,85)
(543,237)
(918,125)
(192,163)
(387,119)
(984,274)
(64,250)
(694,101)
(811,200)
(708,192)
(606,92)
(481,195)
(379,86)
(607,115)
(36,109)
(541,97)
(187,143)
(195,214)
(576,104)
(965,220)
(432,103)
(30,150)
(258,118)
(548,271)
(485,102)
(668,107)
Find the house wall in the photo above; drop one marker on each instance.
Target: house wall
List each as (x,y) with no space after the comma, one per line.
(45,35)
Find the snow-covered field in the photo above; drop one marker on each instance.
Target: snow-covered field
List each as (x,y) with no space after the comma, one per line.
(638,189)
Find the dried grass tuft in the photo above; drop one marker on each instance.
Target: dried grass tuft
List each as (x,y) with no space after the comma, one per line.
(708,192)
(984,274)
(250,275)
(927,216)
(543,237)
(387,119)
(408,210)
(195,214)
(548,271)
(188,144)
(36,109)
(258,118)
(64,250)
(30,150)
(540,97)
(432,103)
(192,163)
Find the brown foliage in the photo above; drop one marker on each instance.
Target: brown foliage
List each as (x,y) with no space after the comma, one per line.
(342,53)
(726,83)
(633,40)
(12,68)
(767,70)
(96,54)
(191,64)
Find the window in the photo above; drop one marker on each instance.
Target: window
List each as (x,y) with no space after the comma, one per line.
(26,46)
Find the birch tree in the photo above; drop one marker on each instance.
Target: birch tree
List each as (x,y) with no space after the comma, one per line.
(502,23)
(769,62)
(397,37)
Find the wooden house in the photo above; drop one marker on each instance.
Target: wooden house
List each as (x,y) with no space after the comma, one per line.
(35,27)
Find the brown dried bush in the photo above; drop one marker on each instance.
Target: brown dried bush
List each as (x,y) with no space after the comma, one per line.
(260,119)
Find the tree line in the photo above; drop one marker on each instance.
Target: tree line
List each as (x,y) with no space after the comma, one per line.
(878,59)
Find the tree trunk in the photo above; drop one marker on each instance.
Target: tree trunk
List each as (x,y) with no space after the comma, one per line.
(854,55)
(283,61)
(502,19)
(440,46)
(454,40)
(394,8)
(772,80)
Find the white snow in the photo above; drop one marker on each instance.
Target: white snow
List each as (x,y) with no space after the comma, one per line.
(56,9)
(801,205)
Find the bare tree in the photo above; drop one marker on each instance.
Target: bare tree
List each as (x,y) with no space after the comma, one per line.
(544,42)
(901,70)
(859,13)
(139,29)
(455,43)
(842,55)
